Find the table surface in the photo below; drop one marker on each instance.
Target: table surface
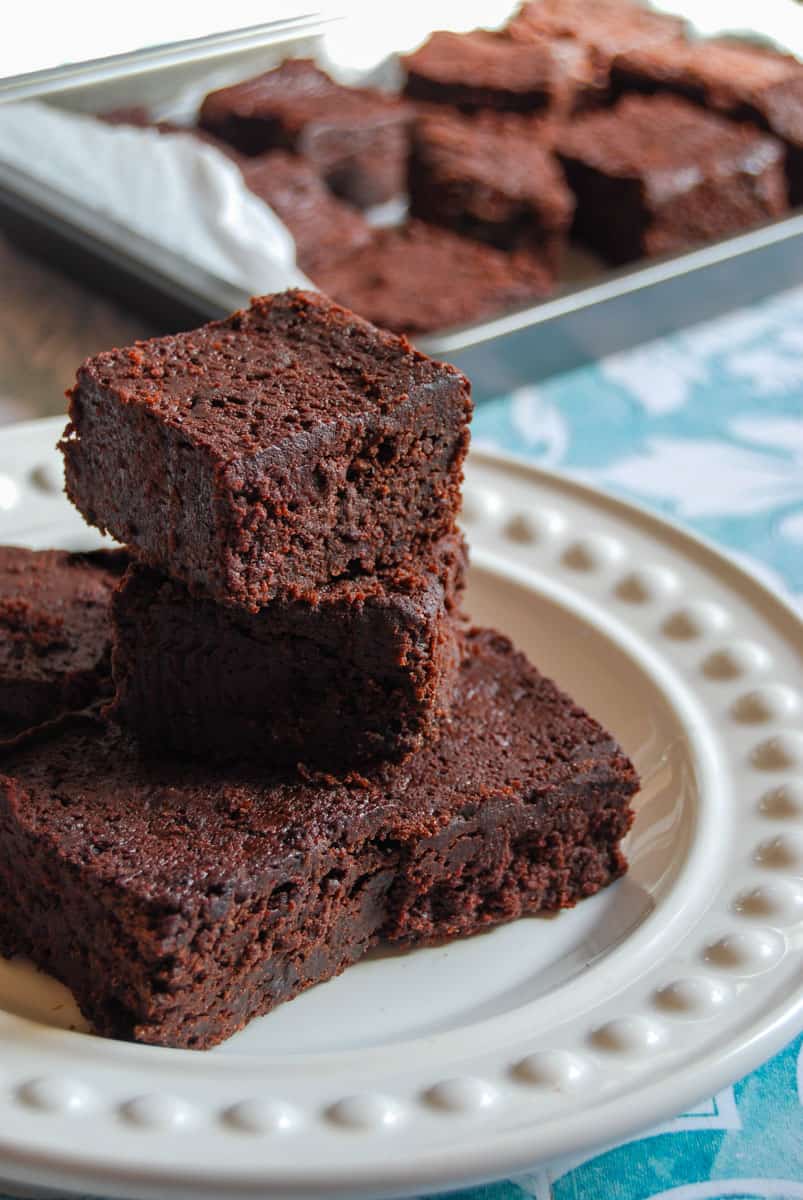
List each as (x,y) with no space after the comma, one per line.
(706,426)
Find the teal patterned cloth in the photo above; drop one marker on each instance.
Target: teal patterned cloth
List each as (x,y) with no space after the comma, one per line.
(707,426)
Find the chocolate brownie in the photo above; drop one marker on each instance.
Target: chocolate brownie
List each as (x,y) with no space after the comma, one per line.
(323,227)
(422,278)
(782,109)
(357,138)
(482,70)
(657,175)
(358,674)
(55,632)
(489,177)
(270,453)
(605,27)
(179,901)
(744,82)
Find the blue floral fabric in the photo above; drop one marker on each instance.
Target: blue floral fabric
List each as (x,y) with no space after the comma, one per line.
(707,426)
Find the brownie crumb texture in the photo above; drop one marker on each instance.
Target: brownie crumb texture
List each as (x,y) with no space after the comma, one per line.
(180,901)
(668,176)
(268,454)
(361,673)
(55,632)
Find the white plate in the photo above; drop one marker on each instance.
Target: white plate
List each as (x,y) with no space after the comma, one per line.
(427,1070)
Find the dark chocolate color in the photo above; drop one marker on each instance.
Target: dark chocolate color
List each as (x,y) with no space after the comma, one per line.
(656,175)
(359,673)
(179,902)
(270,453)
(740,81)
(782,110)
(492,178)
(481,70)
(55,632)
(606,27)
(355,137)
(324,228)
(423,278)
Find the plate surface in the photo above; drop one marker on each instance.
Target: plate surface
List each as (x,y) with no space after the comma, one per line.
(431,1069)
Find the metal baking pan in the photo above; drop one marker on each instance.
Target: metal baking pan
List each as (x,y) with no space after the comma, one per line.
(579,323)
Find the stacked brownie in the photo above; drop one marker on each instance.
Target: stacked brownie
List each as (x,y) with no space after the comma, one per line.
(289,481)
(308,750)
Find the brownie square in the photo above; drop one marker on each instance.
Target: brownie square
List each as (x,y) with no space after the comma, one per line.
(744,82)
(55,632)
(361,673)
(422,278)
(605,27)
(727,76)
(657,175)
(483,70)
(180,901)
(489,177)
(357,138)
(324,228)
(270,453)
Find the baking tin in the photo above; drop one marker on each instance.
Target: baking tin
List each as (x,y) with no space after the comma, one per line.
(581,322)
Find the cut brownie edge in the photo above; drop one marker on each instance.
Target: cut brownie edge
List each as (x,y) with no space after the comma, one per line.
(658,175)
(492,178)
(180,902)
(55,632)
(271,453)
(359,672)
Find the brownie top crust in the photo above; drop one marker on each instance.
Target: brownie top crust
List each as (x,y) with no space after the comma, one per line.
(668,143)
(500,151)
(54,610)
(725,74)
(185,833)
(608,26)
(297,92)
(289,364)
(383,279)
(482,60)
